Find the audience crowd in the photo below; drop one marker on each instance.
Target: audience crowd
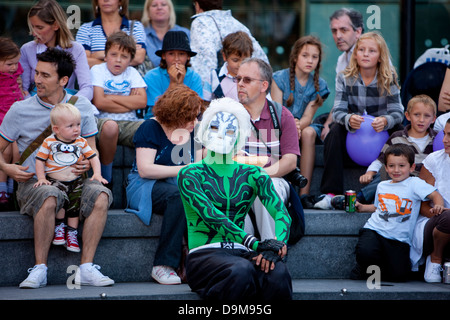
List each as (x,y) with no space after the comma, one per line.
(145,85)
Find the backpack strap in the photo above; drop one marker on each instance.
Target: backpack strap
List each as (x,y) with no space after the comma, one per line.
(38,141)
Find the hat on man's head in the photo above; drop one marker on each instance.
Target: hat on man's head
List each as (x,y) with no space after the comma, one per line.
(176,40)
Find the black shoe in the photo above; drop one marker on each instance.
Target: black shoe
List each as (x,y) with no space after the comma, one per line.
(308,201)
(338,202)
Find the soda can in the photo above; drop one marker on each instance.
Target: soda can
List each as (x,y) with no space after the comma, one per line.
(350,201)
(446,275)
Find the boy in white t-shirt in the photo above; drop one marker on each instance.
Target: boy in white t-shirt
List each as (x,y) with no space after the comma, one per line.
(385,239)
(119,91)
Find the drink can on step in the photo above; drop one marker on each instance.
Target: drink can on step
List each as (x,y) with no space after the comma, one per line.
(446,275)
(350,201)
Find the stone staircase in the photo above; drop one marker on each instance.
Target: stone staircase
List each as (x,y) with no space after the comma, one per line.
(319,263)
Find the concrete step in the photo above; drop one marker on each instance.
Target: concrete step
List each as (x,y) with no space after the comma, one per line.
(127,248)
(303,289)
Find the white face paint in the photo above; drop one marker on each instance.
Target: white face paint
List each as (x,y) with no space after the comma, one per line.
(222,133)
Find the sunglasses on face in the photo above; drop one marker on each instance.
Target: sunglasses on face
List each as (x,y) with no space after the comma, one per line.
(246,80)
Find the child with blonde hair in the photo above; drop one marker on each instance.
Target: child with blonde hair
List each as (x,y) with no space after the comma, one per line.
(57,154)
(301,89)
(10,92)
(367,86)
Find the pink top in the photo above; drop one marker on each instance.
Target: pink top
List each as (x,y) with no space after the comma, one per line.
(10,90)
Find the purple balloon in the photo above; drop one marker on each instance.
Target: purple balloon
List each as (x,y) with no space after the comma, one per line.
(438,144)
(364,145)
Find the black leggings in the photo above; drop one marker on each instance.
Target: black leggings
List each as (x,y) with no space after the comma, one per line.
(230,274)
(440,222)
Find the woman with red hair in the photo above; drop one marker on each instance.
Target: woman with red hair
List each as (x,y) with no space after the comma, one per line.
(164,145)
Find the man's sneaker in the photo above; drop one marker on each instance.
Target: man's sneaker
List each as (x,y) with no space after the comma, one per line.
(37,277)
(432,271)
(90,275)
(165,275)
(72,241)
(60,235)
(338,202)
(324,203)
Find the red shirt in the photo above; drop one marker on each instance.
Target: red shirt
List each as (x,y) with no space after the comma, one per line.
(10,91)
(268,136)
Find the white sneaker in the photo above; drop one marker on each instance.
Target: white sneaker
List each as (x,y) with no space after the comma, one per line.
(432,271)
(165,275)
(37,277)
(325,203)
(89,275)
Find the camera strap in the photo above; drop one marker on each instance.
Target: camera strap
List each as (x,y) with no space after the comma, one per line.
(275,114)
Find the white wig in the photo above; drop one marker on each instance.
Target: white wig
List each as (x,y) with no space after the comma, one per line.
(226,105)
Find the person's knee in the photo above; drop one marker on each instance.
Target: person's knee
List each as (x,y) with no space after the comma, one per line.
(48,207)
(102,203)
(110,130)
(308,135)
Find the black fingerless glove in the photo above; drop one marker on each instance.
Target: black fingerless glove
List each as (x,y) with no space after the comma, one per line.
(271,256)
(270,245)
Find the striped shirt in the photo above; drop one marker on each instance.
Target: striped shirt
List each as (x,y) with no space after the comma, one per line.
(93,38)
(271,143)
(354,97)
(402,136)
(58,155)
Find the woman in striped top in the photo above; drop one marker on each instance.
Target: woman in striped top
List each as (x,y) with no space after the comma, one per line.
(110,17)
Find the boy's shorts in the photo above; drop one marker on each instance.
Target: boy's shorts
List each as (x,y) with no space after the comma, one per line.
(30,199)
(127,129)
(72,190)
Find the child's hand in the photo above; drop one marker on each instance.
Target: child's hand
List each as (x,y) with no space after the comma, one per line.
(299,129)
(358,206)
(41,182)
(437,209)
(355,121)
(367,177)
(379,123)
(99,178)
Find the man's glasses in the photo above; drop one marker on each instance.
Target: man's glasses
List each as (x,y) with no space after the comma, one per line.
(246,80)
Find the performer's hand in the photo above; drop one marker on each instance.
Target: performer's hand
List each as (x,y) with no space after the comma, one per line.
(266,260)
(270,245)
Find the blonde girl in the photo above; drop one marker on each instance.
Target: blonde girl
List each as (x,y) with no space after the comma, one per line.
(47,21)
(367,86)
(301,89)
(370,65)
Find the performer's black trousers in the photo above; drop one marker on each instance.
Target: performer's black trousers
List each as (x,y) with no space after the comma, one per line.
(230,274)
